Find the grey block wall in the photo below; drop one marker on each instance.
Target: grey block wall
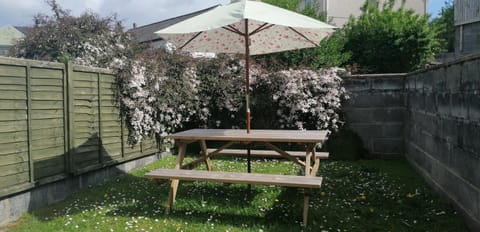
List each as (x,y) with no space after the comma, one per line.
(376,112)
(12,207)
(443,131)
(432,117)
(469,42)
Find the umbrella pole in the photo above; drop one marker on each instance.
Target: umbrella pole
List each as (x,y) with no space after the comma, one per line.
(247,74)
(247,91)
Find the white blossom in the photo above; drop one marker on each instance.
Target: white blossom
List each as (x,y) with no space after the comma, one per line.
(309,97)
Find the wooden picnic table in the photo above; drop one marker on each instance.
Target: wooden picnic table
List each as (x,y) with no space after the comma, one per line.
(309,162)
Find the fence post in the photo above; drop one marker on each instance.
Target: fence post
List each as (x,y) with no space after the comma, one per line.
(122,128)
(65,118)
(29,122)
(122,117)
(70,110)
(99,99)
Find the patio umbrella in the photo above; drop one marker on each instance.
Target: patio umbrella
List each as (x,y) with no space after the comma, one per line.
(249,28)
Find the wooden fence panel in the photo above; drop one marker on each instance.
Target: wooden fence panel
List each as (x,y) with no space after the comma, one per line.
(14,163)
(111,126)
(129,150)
(57,120)
(14,156)
(86,123)
(47,121)
(149,146)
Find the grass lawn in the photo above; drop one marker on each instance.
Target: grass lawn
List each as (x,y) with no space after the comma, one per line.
(365,195)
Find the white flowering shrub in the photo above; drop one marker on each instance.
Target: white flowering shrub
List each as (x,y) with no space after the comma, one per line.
(161,93)
(158,94)
(303,99)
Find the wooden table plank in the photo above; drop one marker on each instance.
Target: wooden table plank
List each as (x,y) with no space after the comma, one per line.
(263,153)
(318,136)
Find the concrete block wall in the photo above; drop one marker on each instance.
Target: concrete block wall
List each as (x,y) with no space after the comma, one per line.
(432,117)
(467,38)
(443,131)
(376,112)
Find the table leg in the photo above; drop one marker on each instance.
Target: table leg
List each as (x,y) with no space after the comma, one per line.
(174,185)
(208,162)
(284,154)
(316,165)
(311,156)
(308,160)
(315,159)
(249,160)
(309,171)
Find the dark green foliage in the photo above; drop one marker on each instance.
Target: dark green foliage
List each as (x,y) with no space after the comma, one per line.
(445,27)
(384,40)
(329,54)
(264,108)
(345,145)
(286,4)
(306,8)
(222,89)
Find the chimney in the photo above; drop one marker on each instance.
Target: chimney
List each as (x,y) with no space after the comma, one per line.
(134,25)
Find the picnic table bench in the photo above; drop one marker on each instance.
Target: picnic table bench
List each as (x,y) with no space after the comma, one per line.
(265,153)
(237,177)
(241,178)
(309,160)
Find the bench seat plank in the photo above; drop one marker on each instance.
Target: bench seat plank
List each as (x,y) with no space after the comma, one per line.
(265,153)
(237,177)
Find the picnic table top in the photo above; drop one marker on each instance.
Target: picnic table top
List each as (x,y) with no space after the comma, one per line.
(241,135)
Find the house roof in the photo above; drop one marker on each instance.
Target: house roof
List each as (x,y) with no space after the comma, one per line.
(10,34)
(147,33)
(24,30)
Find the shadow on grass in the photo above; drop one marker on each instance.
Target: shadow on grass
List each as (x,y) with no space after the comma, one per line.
(355,196)
(194,196)
(196,202)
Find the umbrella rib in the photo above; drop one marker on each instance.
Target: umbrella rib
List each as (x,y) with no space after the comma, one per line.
(190,40)
(305,37)
(233,30)
(261,28)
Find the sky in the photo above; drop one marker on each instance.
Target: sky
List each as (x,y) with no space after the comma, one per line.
(141,12)
(434,7)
